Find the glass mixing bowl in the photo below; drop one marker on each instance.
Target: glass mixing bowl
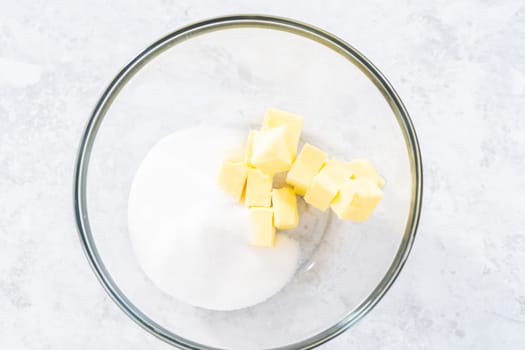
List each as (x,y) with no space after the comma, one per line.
(226,71)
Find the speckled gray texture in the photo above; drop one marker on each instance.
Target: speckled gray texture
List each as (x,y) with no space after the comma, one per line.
(460,69)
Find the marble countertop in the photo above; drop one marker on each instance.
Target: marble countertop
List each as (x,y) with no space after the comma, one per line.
(460,69)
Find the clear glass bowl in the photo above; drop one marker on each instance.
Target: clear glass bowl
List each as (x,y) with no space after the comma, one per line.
(226,71)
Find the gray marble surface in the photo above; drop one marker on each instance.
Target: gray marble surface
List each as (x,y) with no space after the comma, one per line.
(460,69)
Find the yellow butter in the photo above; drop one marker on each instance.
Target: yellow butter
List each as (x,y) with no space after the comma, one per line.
(258,189)
(338,171)
(285,211)
(306,166)
(249,148)
(232,178)
(326,184)
(293,122)
(270,153)
(357,199)
(262,228)
(321,191)
(363,169)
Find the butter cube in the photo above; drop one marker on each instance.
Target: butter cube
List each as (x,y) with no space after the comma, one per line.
(357,199)
(363,169)
(321,191)
(232,178)
(294,125)
(249,149)
(262,229)
(306,166)
(326,184)
(285,214)
(258,189)
(270,153)
(338,171)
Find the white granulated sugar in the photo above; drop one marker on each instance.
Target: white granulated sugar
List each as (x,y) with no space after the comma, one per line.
(189,237)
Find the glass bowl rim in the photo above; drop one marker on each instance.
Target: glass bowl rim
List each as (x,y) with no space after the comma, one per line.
(245,21)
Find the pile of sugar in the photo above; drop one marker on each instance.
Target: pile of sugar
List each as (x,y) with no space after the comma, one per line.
(191,239)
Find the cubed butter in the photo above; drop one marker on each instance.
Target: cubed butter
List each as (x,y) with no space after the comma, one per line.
(270,153)
(326,184)
(285,214)
(338,171)
(258,189)
(262,228)
(249,148)
(363,169)
(321,191)
(232,178)
(357,199)
(306,166)
(294,125)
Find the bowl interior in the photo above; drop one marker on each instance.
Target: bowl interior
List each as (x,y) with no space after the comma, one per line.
(228,78)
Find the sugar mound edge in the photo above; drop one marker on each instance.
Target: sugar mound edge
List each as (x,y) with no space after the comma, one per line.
(189,238)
